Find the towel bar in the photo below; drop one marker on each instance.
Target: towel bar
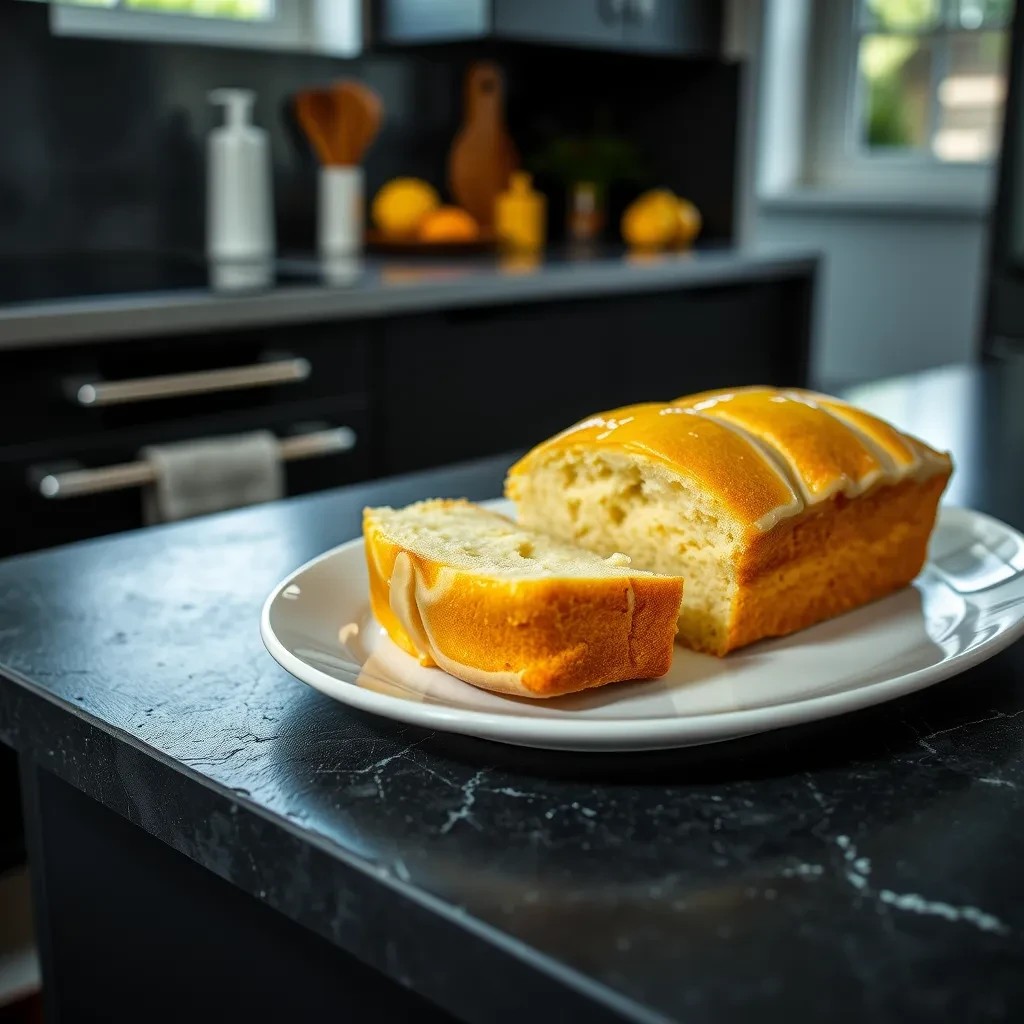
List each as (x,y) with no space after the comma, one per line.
(74,483)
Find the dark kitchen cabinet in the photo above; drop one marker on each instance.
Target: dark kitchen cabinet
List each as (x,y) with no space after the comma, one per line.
(80,390)
(463,383)
(30,519)
(681,27)
(596,23)
(72,430)
(668,26)
(752,333)
(467,383)
(408,22)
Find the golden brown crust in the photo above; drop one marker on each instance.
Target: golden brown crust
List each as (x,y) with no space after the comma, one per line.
(765,454)
(532,637)
(824,454)
(833,559)
(705,451)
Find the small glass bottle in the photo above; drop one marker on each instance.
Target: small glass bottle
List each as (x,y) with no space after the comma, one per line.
(586,212)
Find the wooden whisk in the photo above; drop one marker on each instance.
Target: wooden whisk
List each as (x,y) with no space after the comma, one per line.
(340,121)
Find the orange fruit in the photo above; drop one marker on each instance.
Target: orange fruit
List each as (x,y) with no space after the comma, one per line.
(448,224)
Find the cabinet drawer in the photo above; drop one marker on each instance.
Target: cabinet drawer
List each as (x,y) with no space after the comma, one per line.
(72,490)
(90,389)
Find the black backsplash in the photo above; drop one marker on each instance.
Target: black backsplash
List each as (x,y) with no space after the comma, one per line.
(102,143)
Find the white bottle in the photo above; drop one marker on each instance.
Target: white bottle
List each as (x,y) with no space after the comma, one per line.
(239,197)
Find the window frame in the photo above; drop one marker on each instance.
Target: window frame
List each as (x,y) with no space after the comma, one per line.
(321,26)
(809,99)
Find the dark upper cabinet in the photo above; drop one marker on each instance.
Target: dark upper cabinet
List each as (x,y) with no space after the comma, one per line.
(594,23)
(681,27)
(671,26)
(429,21)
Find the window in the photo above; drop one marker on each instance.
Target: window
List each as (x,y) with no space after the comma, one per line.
(323,26)
(929,78)
(879,100)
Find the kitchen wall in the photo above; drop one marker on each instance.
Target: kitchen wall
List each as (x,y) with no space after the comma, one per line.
(103,146)
(898,292)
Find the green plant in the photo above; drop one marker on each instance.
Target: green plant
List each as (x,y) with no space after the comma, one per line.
(600,159)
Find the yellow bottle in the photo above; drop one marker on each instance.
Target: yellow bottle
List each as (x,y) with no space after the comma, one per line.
(520,215)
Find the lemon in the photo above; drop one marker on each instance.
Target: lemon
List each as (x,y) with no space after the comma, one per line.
(651,221)
(402,204)
(658,219)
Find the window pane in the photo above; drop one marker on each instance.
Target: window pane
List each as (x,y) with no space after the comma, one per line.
(900,15)
(896,82)
(237,10)
(979,13)
(971,97)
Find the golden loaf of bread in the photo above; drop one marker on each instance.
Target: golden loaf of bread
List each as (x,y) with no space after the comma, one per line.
(507,609)
(780,508)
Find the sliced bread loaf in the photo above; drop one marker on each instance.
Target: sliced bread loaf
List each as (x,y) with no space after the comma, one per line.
(781,507)
(512,610)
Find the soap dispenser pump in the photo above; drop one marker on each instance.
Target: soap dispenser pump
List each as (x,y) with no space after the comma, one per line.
(239,198)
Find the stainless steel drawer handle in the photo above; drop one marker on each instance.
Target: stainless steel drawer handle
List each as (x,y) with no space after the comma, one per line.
(75,483)
(181,385)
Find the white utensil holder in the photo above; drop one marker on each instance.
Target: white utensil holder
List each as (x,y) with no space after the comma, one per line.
(340,211)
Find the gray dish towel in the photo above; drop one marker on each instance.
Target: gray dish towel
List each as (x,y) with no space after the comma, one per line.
(197,477)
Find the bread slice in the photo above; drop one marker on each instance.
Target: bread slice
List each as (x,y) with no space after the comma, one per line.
(511,610)
(780,507)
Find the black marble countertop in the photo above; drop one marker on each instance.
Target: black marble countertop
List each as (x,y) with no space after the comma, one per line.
(234,296)
(862,868)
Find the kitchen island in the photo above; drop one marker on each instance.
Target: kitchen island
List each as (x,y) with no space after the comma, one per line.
(209,835)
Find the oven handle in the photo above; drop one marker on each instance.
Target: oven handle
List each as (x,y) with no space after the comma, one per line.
(75,483)
(182,385)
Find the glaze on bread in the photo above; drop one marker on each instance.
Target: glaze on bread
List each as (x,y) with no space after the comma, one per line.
(781,508)
(507,609)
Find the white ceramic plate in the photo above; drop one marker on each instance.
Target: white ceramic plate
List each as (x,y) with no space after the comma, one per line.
(966,605)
